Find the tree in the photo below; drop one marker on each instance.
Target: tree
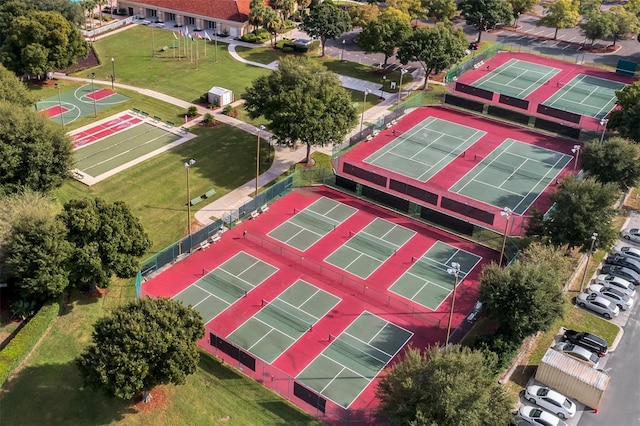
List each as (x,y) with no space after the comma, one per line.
(520,7)
(304,102)
(633,6)
(441,10)
(384,34)
(34,152)
(285,7)
(273,23)
(257,10)
(582,208)
(147,343)
(560,14)
(485,14)
(13,90)
(448,387)
(623,23)
(522,299)
(107,240)
(414,8)
(616,162)
(435,48)
(326,22)
(626,119)
(597,26)
(361,16)
(41,42)
(588,8)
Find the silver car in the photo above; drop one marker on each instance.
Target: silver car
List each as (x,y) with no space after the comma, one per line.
(598,304)
(631,234)
(631,252)
(579,353)
(550,400)
(623,301)
(619,283)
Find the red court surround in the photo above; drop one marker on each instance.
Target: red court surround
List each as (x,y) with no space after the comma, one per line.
(104,130)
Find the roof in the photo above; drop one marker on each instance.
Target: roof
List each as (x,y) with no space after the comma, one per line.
(574,368)
(230,10)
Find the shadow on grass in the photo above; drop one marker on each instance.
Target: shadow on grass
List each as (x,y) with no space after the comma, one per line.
(37,396)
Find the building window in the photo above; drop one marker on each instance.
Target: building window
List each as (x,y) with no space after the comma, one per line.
(191,20)
(171,16)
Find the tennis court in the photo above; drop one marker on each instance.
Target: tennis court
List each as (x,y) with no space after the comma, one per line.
(425,149)
(222,287)
(586,95)
(368,249)
(428,282)
(516,78)
(283,320)
(354,358)
(513,175)
(83,101)
(310,225)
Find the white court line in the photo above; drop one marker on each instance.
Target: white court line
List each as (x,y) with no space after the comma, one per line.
(539,182)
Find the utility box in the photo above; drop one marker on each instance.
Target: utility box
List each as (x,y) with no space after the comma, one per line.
(572,378)
(219,96)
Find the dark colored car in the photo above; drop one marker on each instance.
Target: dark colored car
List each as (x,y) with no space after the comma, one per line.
(624,261)
(588,341)
(622,272)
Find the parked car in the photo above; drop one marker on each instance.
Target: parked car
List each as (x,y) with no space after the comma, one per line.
(627,251)
(587,340)
(536,416)
(631,234)
(623,301)
(621,272)
(621,284)
(598,304)
(579,353)
(627,262)
(550,400)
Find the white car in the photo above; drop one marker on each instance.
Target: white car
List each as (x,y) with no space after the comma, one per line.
(631,252)
(618,297)
(536,416)
(619,283)
(550,400)
(598,304)
(631,234)
(579,353)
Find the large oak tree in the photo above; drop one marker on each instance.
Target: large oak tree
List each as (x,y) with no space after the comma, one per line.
(485,14)
(617,161)
(386,33)
(326,21)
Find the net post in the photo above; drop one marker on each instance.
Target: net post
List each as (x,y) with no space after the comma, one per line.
(246,293)
(262,302)
(203,272)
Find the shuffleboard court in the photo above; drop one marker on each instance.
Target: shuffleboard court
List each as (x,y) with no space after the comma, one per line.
(586,95)
(369,248)
(282,321)
(513,175)
(310,225)
(428,281)
(425,149)
(343,370)
(220,288)
(516,78)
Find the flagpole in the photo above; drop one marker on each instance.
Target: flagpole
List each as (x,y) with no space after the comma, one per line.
(173,47)
(215,37)
(205,44)
(179,51)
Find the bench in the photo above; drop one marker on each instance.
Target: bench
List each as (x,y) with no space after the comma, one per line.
(264,208)
(184,130)
(215,238)
(135,110)
(195,201)
(254,214)
(203,245)
(210,193)
(144,114)
(170,123)
(157,119)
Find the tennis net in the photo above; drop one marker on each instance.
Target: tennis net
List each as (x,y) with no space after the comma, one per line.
(425,267)
(596,92)
(527,75)
(226,285)
(363,358)
(508,168)
(376,244)
(286,316)
(449,151)
(313,220)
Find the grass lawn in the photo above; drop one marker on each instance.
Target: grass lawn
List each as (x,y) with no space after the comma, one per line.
(50,381)
(155,190)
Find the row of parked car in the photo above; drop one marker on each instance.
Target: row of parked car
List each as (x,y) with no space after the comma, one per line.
(550,407)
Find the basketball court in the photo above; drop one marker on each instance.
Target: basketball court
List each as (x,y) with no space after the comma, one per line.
(70,105)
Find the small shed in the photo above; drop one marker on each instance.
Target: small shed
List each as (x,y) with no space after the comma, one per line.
(219,96)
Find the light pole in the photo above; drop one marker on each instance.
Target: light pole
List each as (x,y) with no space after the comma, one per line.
(594,237)
(384,78)
(364,104)
(603,123)
(402,73)
(455,271)
(342,51)
(60,105)
(92,76)
(506,213)
(113,73)
(188,166)
(576,151)
(261,128)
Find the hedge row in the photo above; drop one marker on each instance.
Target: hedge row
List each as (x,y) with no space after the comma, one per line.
(24,341)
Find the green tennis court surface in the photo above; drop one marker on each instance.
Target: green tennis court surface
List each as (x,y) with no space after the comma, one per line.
(279,323)
(586,95)
(79,103)
(513,175)
(310,225)
(222,287)
(516,78)
(354,358)
(427,281)
(121,148)
(425,149)
(368,249)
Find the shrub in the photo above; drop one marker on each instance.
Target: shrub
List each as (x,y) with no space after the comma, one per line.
(249,38)
(24,341)
(208,119)
(502,346)
(192,111)
(230,111)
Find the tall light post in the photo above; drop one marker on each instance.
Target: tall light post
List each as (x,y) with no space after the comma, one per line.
(113,73)
(576,151)
(60,105)
(188,166)
(505,213)
(594,237)
(603,123)
(261,128)
(384,79)
(92,76)
(342,51)
(402,73)
(455,271)
(364,104)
